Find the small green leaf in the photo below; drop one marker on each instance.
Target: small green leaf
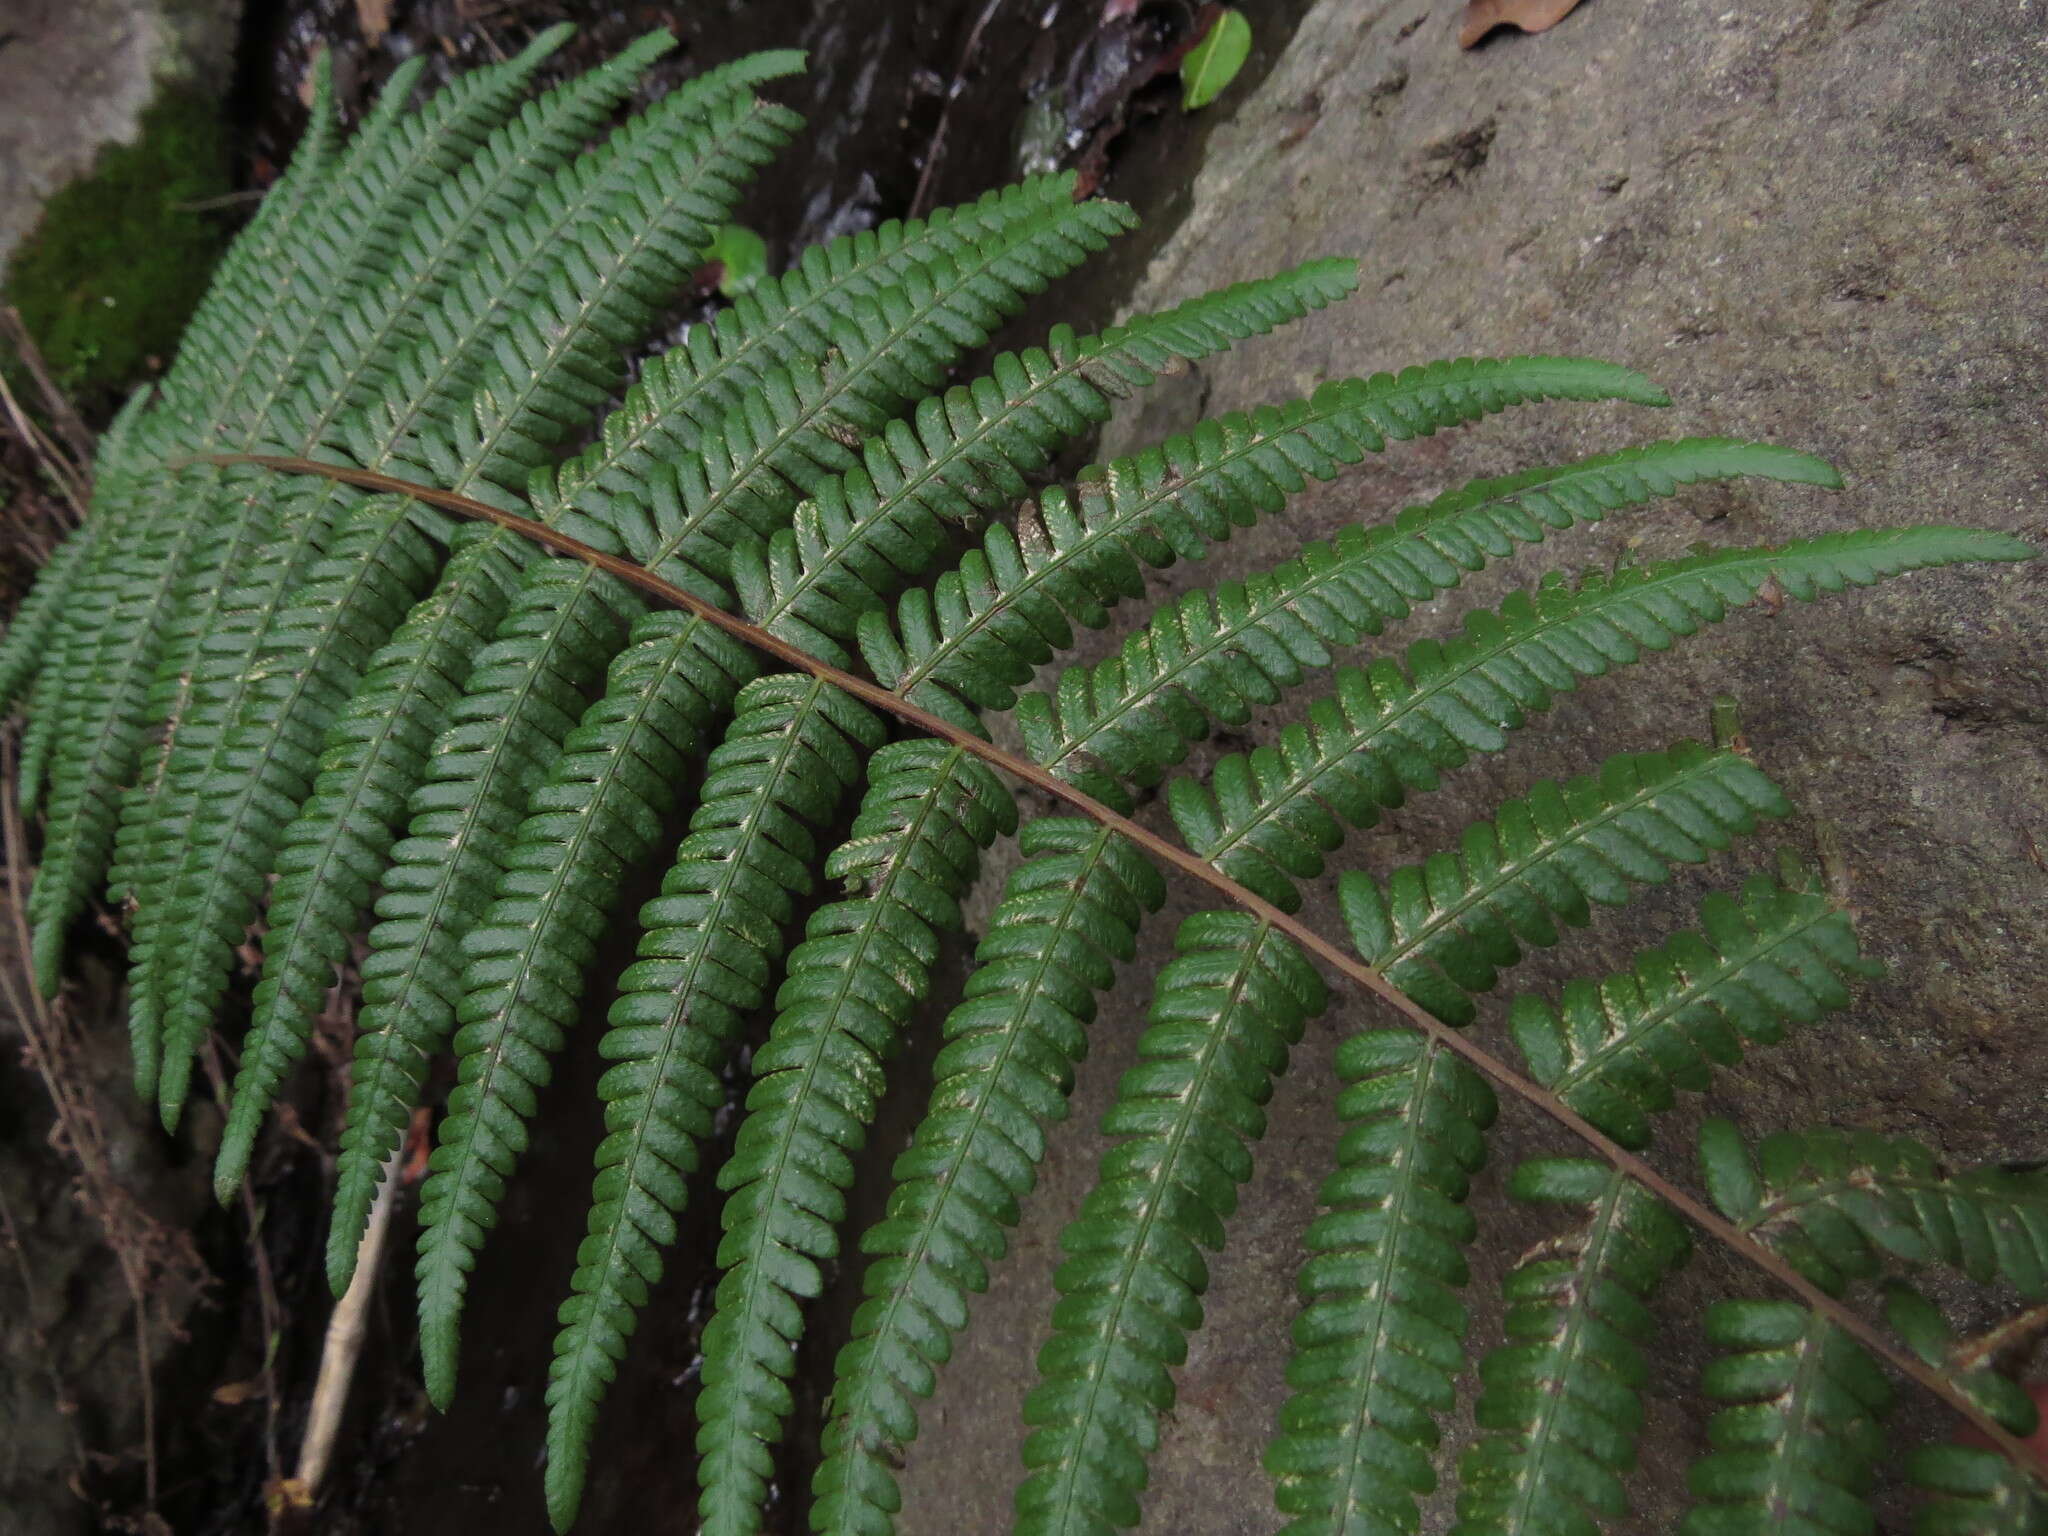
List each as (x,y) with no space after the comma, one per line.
(1214,62)
(742,256)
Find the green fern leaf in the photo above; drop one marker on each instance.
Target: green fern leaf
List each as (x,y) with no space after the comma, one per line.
(797,748)
(1380,1340)
(1974,1492)
(1444,928)
(561,630)
(1796,1449)
(1267,818)
(1839,1204)
(1219,653)
(858,540)
(511,1013)
(591,807)
(523,946)
(863,966)
(981,631)
(1616,1050)
(1560,1403)
(981,257)
(545,378)
(169,558)
(1066,917)
(1226,1011)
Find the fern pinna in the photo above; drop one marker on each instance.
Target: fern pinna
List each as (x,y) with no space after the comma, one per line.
(348,717)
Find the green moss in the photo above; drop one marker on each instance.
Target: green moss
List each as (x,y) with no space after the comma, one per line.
(106,281)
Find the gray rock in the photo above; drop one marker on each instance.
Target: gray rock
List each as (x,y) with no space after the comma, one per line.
(1819,222)
(78,74)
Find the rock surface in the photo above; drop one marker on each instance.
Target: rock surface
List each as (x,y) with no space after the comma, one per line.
(1819,222)
(77,74)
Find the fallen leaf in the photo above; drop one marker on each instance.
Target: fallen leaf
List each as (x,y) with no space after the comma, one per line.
(742,259)
(1482,16)
(374,17)
(1214,62)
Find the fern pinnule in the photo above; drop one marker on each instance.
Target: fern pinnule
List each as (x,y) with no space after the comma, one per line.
(711,939)
(524,959)
(1796,1447)
(865,962)
(552,368)
(1380,1339)
(1130,716)
(1971,1491)
(1226,1011)
(979,633)
(163,565)
(564,626)
(1442,929)
(1617,1050)
(1266,818)
(1548,854)
(1840,1205)
(1003,1074)
(1560,1406)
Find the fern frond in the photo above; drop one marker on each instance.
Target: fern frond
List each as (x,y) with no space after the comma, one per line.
(1003,1074)
(980,632)
(619,764)
(859,539)
(950,462)
(1617,1050)
(1219,653)
(1008,243)
(1380,1338)
(333,855)
(1227,1009)
(530,942)
(796,749)
(1443,929)
(863,966)
(1268,817)
(1561,1402)
(1975,1492)
(36,634)
(547,373)
(560,632)
(1838,1205)
(1797,1447)
(171,555)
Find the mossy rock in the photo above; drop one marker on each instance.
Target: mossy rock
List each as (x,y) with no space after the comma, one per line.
(108,278)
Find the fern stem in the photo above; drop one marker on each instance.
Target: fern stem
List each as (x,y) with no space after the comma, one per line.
(1365,977)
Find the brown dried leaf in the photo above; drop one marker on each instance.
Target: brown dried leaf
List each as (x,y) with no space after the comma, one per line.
(1482,16)
(374,17)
